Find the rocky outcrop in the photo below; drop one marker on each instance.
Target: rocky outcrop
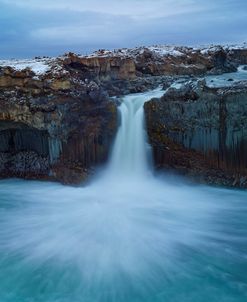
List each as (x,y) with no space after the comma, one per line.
(101,67)
(201,131)
(237,55)
(53,127)
(57,120)
(168,60)
(132,64)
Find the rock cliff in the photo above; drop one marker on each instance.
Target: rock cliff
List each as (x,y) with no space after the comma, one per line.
(58,120)
(201,131)
(53,126)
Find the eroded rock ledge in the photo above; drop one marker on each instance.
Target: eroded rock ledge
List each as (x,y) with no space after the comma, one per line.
(201,132)
(53,128)
(57,120)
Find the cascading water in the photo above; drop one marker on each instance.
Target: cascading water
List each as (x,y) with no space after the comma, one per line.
(130,155)
(127,236)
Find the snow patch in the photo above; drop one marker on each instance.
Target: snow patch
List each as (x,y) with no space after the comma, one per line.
(166,51)
(38,66)
(160,50)
(208,49)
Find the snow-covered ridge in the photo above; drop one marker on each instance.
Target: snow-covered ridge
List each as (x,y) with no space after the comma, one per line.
(38,66)
(206,49)
(41,66)
(159,50)
(165,50)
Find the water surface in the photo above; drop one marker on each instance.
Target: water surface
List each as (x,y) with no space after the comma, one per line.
(227,79)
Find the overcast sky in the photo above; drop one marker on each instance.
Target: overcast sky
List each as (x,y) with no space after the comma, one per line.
(52,27)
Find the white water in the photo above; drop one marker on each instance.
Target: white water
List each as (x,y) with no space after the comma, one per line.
(127,237)
(131,153)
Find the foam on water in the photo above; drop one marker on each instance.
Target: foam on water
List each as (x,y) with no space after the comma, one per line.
(127,236)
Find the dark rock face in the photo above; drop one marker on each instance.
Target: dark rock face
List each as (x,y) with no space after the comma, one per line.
(58,131)
(130,64)
(59,123)
(101,67)
(23,150)
(238,56)
(201,132)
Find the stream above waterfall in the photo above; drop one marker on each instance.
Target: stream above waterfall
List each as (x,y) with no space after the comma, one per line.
(128,236)
(227,79)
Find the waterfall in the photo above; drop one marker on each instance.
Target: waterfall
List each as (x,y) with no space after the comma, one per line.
(131,152)
(124,236)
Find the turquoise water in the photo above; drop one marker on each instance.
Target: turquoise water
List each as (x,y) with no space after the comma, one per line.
(130,241)
(227,79)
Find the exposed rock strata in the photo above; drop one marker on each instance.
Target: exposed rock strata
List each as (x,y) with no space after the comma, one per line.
(53,128)
(58,122)
(201,131)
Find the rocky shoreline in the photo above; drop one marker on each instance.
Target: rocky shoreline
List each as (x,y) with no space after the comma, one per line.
(58,120)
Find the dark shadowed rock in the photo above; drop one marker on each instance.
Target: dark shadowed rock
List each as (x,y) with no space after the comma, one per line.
(201,132)
(54,130)
(57,120)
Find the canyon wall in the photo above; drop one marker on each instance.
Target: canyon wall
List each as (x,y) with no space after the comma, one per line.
(57,120)
(201,131)
(53,128)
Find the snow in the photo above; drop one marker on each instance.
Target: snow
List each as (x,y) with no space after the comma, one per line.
(207,49)
(236,47)
(38,66)
(166,51)
(211,49)
(41,66)
(160,50)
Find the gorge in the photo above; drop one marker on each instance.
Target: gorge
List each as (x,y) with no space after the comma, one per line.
(126,236)
(111,124)
(66,102)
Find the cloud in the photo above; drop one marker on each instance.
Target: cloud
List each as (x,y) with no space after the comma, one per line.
(36,27)
(131,8)
(103,31)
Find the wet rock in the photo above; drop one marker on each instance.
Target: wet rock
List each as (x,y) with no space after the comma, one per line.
(201,132)
(57,120)
(56,127)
